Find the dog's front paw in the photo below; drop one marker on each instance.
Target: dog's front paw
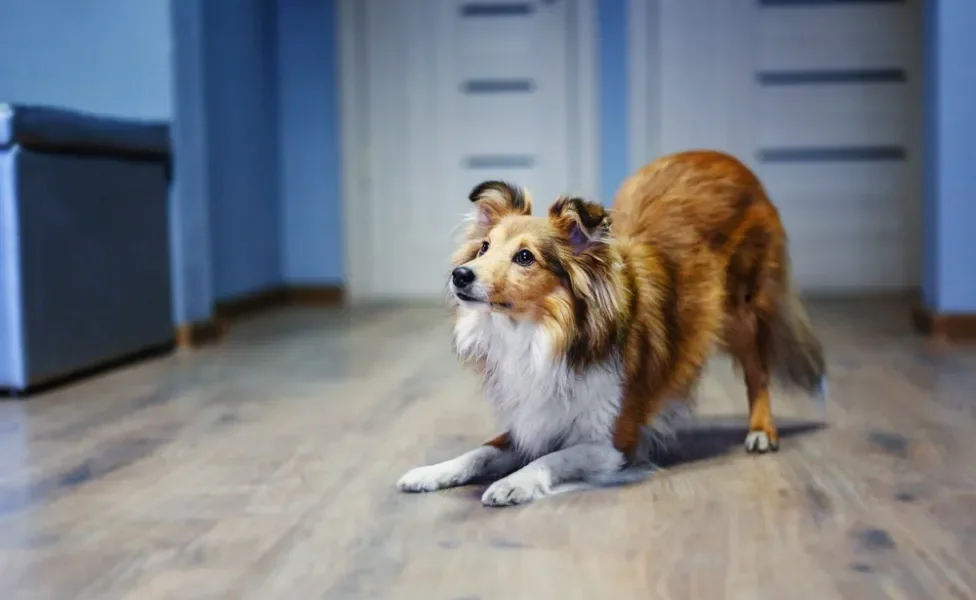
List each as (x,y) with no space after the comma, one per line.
(428,479)
(518,488)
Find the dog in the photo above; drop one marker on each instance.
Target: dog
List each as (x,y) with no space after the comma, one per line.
(586,323)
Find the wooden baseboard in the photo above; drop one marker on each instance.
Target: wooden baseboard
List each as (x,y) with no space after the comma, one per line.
(277,297)
(315,295)
(947,327)
(199,333)
(192,335)
(261,301)
(232,309)
(915,297)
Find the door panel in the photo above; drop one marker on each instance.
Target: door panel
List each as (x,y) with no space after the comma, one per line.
(457,92)
(506,84)
(823,101)
(833,114)
(838,36)
(836,125)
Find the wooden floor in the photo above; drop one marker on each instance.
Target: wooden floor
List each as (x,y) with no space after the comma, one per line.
(265,468)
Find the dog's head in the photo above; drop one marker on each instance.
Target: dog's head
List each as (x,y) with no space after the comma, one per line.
(522,265)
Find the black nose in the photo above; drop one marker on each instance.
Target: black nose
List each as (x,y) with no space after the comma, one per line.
(462,277)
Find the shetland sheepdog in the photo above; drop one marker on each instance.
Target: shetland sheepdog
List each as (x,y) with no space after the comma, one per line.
(585,324)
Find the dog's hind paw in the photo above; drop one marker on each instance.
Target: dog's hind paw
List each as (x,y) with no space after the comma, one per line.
(761,442)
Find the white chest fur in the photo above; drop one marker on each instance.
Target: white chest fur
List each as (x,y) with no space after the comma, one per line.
(541,402)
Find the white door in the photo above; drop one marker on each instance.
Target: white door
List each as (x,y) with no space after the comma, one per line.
(457,92)
(823,100)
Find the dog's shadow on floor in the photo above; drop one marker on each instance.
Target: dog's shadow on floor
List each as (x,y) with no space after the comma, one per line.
(699,440)
(706,438)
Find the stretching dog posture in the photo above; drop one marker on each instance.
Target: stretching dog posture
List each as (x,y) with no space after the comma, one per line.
(583,330)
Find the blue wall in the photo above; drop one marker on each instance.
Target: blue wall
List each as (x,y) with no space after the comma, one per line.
(121,58)
(105,56)
(190,232)
(311,207)
(612,44)
(242,141)
(258,203)
(950,153)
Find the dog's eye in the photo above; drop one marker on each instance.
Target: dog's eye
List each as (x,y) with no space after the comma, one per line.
(484,247)
(524,258)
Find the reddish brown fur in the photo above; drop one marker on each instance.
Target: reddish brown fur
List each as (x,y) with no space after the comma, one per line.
(706,216)
(694,257)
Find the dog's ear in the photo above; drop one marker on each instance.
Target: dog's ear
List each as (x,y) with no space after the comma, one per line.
(583,224)
(496,199)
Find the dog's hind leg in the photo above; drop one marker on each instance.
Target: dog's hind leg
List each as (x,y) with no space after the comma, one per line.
(762,436)
(749,339)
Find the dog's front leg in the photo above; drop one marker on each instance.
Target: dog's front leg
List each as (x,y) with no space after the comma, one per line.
(494,459)
(576,463)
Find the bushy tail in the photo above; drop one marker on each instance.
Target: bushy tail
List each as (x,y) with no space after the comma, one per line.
(797,359)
